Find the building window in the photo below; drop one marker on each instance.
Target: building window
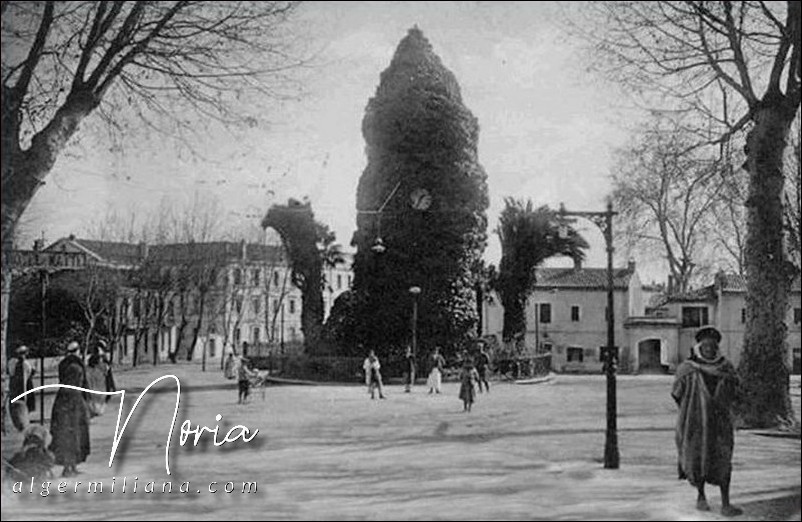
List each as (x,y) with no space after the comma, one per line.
(797,315)
(547,347)
(212,347)
(292,332)
(574,354)
(575,313)
(256,273)
(275,279)
(743,315)
(275,305)
(545,313)
(292,306)
(694,316)
(256,334)
(349,281)
(237,276)
(257,305)
(238,304)
(339,282)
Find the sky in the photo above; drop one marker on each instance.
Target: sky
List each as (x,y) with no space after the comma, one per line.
(548,127)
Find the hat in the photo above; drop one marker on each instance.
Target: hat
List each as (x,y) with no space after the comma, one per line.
(22,349)
(708,331)
(73,347)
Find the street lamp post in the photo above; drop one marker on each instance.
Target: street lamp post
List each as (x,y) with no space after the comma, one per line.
(604,220)
(415,291)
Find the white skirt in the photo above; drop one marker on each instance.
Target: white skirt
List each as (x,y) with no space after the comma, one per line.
(434,380)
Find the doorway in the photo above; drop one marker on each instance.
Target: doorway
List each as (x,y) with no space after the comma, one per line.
(649,357)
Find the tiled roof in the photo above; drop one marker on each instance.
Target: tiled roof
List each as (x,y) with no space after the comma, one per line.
(219,250)
(112,252)
(585,278)
(707,293)
(737,282)
(131,253)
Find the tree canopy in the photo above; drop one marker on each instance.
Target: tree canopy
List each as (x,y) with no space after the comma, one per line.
(528,237)
(424,194)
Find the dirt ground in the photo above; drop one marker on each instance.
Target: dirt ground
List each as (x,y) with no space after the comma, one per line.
(329,452)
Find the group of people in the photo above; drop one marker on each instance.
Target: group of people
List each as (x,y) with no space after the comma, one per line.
(67,442)
(473,374)
(705,387)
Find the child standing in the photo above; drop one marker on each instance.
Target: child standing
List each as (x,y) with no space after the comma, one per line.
(467,390)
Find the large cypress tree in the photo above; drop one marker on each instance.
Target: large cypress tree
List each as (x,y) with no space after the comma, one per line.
(421,147)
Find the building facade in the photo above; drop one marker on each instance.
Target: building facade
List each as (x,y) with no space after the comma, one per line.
(566,317)
(206,298)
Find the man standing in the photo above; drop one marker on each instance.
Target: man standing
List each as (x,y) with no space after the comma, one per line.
(483,366)
(409,370)
(373,375)
(704,388)
(21,373)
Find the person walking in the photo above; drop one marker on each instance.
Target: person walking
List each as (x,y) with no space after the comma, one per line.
(245,374)
(705,387)
(21,374)
(436,374)
(467,390)
(373,376)
(97,373)
(409,370)
(483,366)
(230,370)
(69,424)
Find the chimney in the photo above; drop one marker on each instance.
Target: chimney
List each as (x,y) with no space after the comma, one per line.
(143,250)
(631,265)
(577,263)
(243,247)
(38,244)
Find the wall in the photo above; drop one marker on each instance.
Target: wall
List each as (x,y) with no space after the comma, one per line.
(589,333)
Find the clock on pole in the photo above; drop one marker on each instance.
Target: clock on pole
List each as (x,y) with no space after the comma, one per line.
(420,199)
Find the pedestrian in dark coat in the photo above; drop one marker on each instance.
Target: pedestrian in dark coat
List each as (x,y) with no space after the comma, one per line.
(69,424)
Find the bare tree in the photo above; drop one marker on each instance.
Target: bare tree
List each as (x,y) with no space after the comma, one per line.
(793,196)
(684,53)
(665,191)
(63,61)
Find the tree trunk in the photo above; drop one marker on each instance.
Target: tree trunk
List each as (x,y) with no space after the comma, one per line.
(764,365)
(196,331)
(6,297)
(311,313)
(514,318)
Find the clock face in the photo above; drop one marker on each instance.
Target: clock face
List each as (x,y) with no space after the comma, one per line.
(421,199)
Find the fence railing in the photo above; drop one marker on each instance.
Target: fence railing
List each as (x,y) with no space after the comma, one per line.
(522,367)
(321,369)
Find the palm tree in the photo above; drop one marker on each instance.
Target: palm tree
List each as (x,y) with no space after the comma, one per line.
(528,237)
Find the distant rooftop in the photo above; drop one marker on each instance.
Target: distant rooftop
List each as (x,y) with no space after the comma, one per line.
(583,278)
